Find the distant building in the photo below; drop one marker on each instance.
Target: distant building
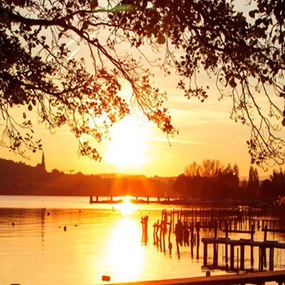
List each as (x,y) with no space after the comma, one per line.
(42,166)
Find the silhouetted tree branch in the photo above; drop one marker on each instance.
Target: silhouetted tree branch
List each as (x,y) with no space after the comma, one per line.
(243,50)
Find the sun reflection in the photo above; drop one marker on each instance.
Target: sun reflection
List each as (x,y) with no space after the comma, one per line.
(127,207)
(125,251)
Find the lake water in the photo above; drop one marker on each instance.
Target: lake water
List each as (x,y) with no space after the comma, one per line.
(66,241)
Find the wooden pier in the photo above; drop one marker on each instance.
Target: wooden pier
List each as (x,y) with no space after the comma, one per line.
(228,279)
(242,244)
(223,222)
(263,247)
(135,200)
(220,251)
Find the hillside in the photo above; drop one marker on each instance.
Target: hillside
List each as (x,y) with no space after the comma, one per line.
(21,179)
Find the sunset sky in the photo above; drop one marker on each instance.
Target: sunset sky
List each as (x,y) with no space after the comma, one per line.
(138,147)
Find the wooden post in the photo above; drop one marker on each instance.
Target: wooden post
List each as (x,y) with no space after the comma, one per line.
(156,234)
(215,253)
(144,222)
(265,233)
(160,235)
(242,256)
(192,239)
(237,258)
(215,230)
(226,245)
(198,239)
(163,230)
(169,235)
(261,259)
(271,258)
(205,257)
(173,219)
(232,249)
(215,246)
(177,247)
(251,247)
(264,257)
(146,229)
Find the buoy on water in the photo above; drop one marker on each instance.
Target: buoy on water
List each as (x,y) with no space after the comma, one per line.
(106,278)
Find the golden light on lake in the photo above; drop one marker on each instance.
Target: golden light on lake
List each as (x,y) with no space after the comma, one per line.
(125,251)
(127,207)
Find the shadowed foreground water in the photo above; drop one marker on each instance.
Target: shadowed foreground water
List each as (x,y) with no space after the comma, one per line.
(64,240)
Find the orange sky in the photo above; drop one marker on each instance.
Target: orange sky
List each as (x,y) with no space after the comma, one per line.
(205,132)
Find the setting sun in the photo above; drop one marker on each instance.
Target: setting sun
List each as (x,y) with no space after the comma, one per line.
(128,145)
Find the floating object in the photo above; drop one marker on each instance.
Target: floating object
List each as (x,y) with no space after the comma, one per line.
(106,278)
(64,228)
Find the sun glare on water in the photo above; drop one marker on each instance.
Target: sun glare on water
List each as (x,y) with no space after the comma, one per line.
(127,207)
(127,149)
(125,253)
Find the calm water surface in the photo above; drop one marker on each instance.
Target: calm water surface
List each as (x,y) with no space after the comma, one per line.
(66,241)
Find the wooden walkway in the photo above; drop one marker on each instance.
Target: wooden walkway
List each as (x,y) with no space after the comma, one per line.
(262,245)
(242,244)
(229,279)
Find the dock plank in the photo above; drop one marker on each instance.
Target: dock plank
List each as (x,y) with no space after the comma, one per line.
(226,279)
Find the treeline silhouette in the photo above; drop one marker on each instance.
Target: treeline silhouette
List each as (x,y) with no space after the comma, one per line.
(21,179)
(209,181)
(214,182)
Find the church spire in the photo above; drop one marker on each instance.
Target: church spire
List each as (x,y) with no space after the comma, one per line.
(43,164)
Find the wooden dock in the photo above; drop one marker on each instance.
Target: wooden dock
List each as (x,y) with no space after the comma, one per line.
(233,249)
(263,247)
(234,254)
(228,279)
(242,244)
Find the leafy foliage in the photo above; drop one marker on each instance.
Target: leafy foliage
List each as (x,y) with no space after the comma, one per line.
(209,181)
(244,51)
(38,71)
(273,189)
